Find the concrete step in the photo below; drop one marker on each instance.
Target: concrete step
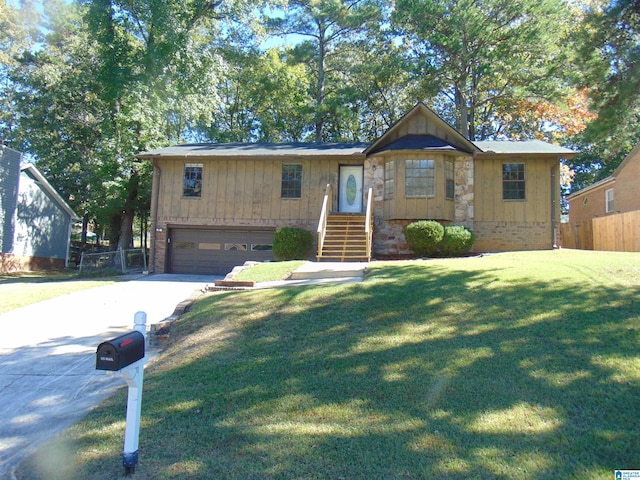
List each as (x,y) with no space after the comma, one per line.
(317,270)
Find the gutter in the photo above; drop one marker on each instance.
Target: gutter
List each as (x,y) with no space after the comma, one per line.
(593,186)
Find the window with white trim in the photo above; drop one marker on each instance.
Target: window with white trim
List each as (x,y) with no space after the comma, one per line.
(609,200)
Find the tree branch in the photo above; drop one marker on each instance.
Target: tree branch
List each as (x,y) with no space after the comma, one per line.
(209,5)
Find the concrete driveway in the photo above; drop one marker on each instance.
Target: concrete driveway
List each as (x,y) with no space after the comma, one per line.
(48,379)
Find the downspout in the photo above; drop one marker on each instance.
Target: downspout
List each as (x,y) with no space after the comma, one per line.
(155,188)
(554,201)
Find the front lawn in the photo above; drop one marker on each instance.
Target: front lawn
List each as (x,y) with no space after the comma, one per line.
(510,366)
(268,271)
(21,289)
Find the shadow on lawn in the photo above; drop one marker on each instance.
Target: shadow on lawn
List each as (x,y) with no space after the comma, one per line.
(462,379)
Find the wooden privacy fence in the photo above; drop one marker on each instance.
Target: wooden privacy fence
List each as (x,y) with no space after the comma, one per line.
(577,235)
(618,233)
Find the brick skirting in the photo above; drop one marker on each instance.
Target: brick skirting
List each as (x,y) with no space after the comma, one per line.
(512,236)
(13,263)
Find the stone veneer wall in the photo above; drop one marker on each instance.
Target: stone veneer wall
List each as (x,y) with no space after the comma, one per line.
(508,236)
(388,237)
(464,191)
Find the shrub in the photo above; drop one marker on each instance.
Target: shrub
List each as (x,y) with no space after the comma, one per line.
(457,241)
(291,243)
(424,237)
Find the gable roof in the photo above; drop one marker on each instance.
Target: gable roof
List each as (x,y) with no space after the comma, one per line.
(256,150)
(35,174)
(417,142)
(523,147)
(611,178)
(593,186)
(452,137)
(634,151)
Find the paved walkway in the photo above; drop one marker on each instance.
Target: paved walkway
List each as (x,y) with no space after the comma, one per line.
(48,379)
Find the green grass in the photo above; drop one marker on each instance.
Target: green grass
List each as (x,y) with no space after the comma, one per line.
(20,290)
(511,366)
(268,271)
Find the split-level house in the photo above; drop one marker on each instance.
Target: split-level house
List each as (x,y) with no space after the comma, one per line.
(215,206)
(618,193)
(35,221)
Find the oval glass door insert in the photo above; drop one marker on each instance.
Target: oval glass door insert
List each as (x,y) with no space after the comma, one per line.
(351,190)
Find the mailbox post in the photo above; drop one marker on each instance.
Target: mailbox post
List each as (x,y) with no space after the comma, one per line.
(125,355)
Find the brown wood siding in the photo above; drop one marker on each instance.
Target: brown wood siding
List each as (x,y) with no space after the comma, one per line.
(245,191)
(489,204)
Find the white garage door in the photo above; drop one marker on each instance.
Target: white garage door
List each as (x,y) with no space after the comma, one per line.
(217,251)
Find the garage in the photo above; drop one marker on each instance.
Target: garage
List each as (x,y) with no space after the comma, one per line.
(216,251)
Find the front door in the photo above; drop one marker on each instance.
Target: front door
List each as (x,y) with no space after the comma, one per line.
(350,197)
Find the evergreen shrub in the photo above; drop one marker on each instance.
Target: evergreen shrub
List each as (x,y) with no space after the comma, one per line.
(457,241)
(424,237)
(290,243)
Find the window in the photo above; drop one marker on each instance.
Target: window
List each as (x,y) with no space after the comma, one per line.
(419,178)
(291,181)
(389,178)
(449,184)
(192,180)
(513,184)
(235,247)
(608,200)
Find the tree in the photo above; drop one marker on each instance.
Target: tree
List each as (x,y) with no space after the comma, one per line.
(57,111)
(279,98)
(109,79)
(379,87)
(556,122)
(480,56)
(608,43)
(331,28)
(263,98)
(18,32)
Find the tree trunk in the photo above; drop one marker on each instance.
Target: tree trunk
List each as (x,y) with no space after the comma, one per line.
(115,225)
(322,52)
(129,213)
(461,104)
(85,226)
